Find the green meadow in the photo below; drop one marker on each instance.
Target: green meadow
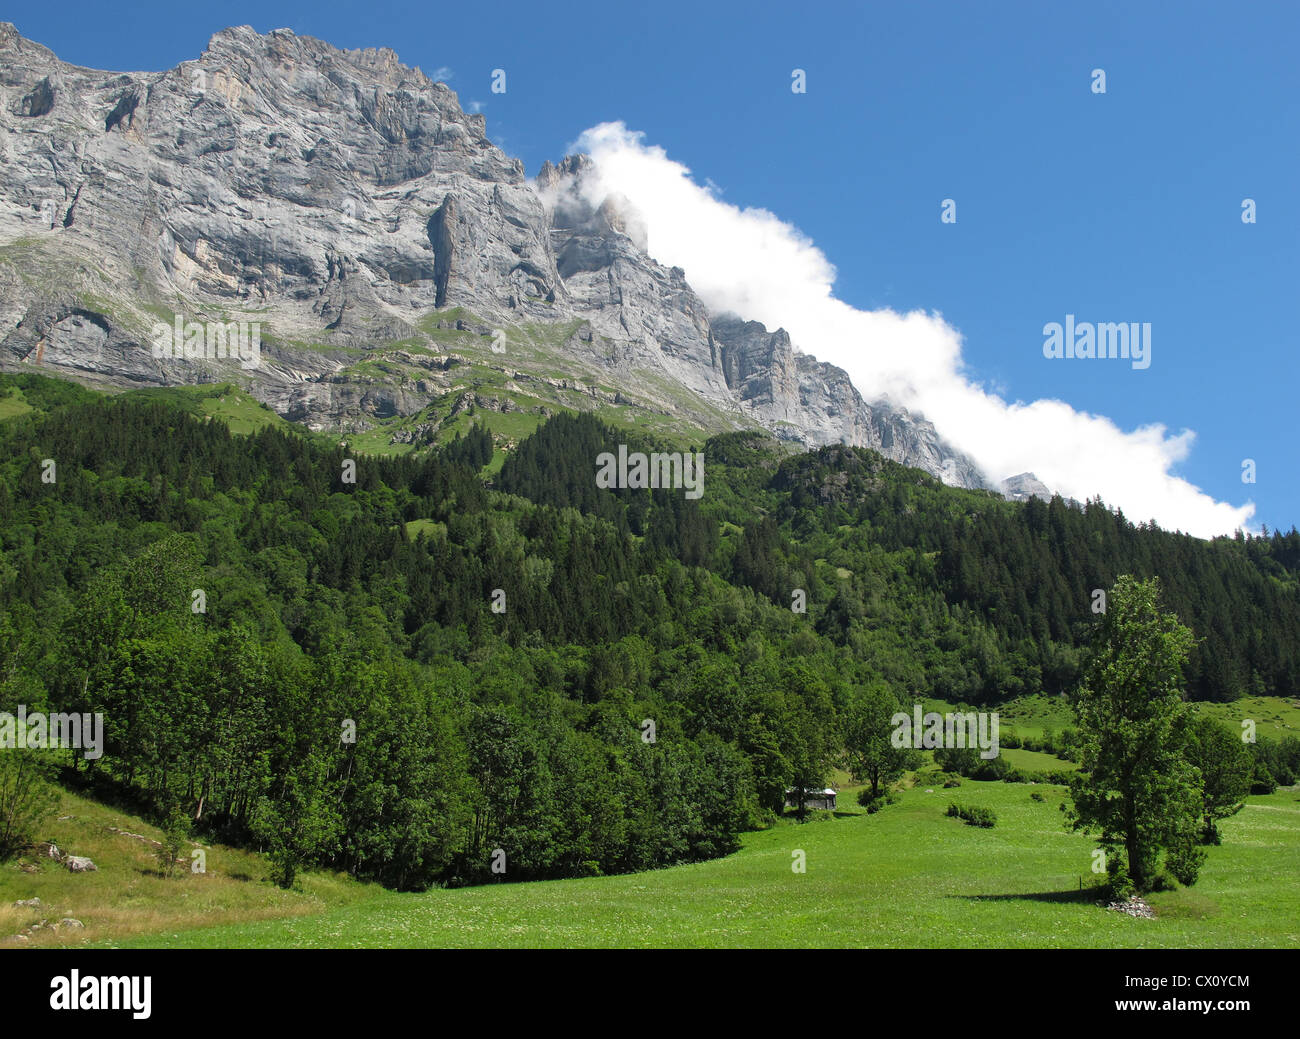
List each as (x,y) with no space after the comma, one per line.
(907,876)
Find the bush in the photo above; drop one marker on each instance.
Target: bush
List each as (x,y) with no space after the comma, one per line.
(961,760)
(1263,781)
(1119,883)
(175,831)
(1185,862)
(973,816)
(27,799)
(1037,796)
(875,804)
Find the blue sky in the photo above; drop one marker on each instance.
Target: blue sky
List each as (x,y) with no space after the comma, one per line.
(1117,207)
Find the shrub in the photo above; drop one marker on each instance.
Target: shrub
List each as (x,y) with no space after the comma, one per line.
(961,760)
(1119,884)
(1263,781)
(1185,861)
(27,799)
(1037,796)
(175,831)
(973,816)
(875,804)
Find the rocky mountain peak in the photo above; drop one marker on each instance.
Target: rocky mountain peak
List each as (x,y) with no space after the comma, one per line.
(350,206)
(1024,486)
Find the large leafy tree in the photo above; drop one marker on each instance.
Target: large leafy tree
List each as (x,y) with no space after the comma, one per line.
(869,739)
(1136,787)
(808,738)
(299,820)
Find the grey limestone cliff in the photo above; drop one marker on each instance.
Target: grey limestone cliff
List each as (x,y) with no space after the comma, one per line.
(396,264)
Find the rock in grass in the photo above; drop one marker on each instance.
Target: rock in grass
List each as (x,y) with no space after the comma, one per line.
(80,864)
(1134,906)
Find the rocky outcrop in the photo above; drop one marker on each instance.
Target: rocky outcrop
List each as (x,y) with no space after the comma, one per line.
(815,403)
(1025,486)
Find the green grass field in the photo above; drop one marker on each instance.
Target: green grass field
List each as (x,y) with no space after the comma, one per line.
(1036,760)
(13,403)
(1033,715)
(1274,716)
(905,877)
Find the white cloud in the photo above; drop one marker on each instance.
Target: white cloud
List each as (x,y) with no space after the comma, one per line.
(443,74)
(752,263)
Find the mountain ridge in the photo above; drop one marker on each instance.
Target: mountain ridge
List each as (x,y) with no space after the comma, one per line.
(397,262)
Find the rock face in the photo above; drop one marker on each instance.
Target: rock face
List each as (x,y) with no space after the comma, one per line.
(381,253)
(1025,485)
(812,402)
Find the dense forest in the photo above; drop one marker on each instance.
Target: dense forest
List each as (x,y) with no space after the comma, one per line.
(402,668)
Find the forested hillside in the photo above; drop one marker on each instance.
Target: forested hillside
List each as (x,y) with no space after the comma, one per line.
(400,676)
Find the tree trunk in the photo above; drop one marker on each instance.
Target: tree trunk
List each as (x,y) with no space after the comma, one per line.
(1136,872)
